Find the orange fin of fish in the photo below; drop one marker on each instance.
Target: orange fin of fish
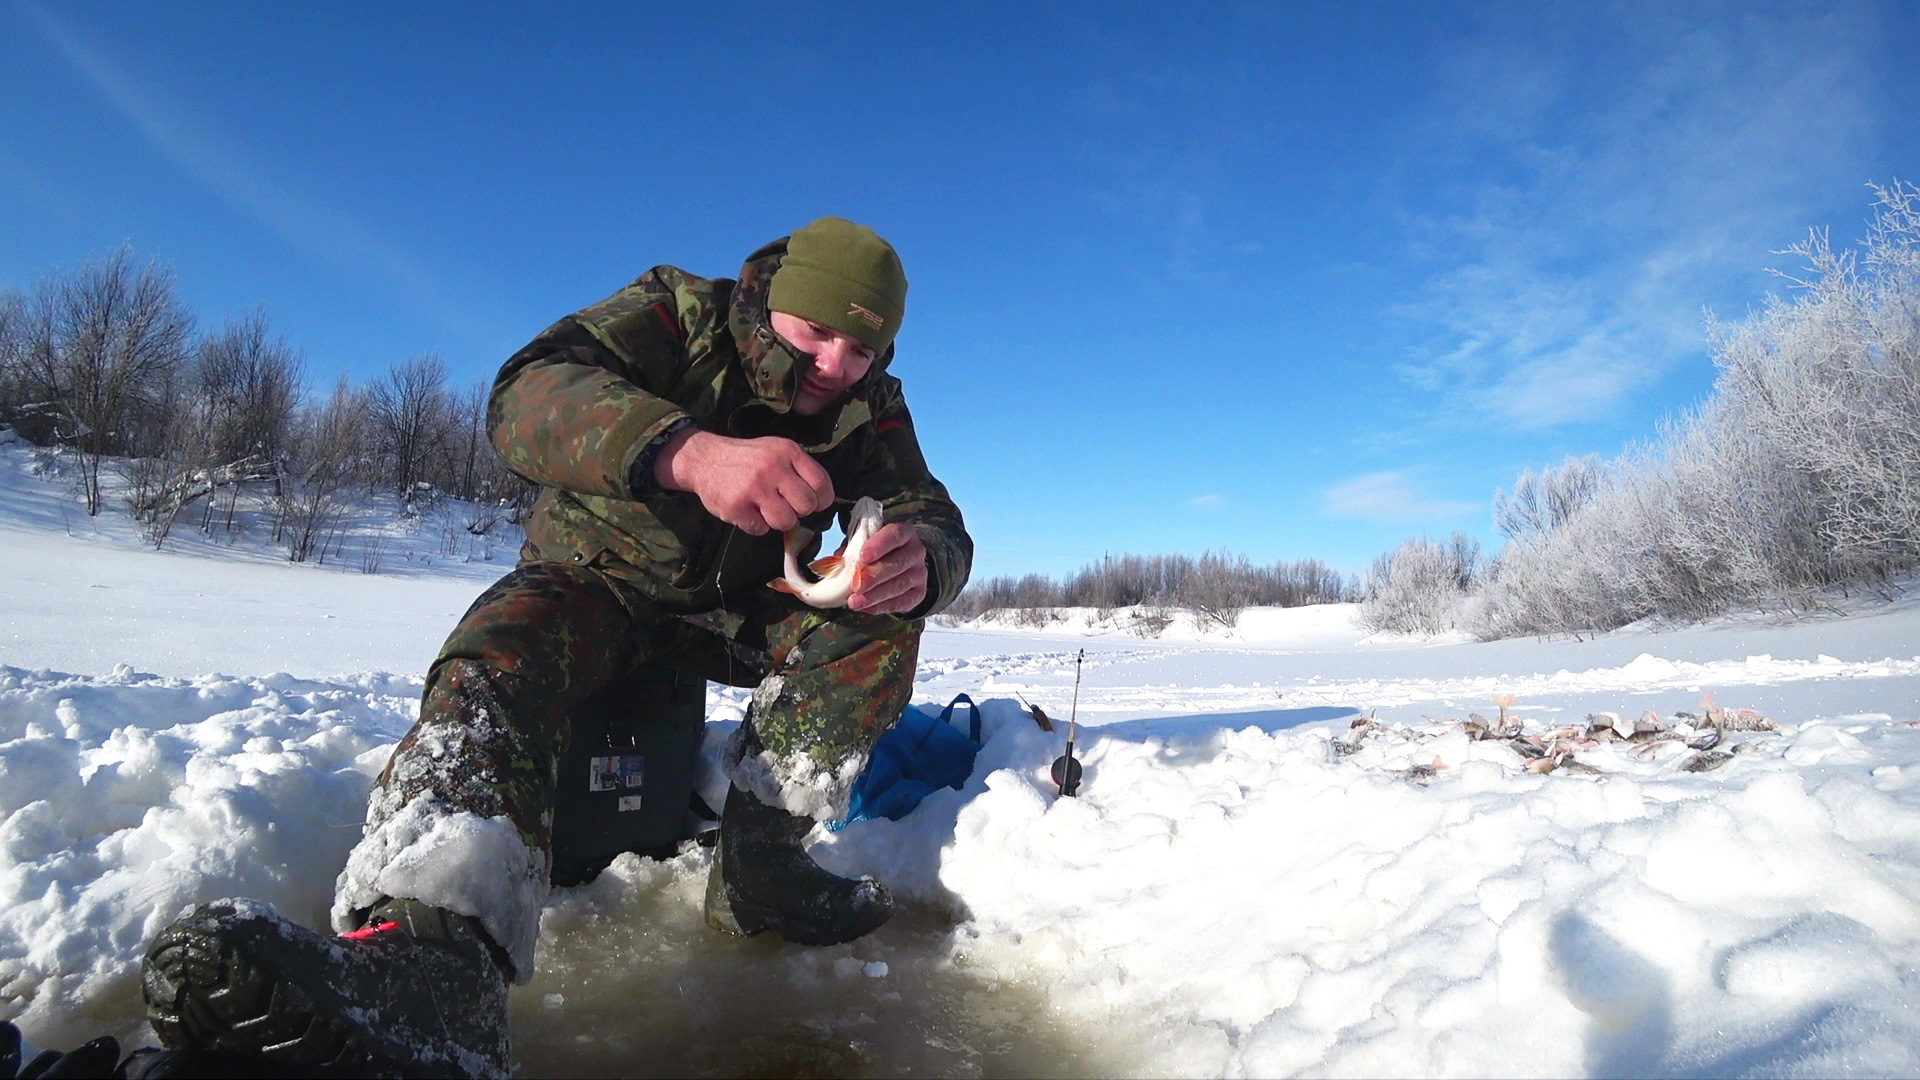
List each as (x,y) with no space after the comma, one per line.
(823,566)
(780,583)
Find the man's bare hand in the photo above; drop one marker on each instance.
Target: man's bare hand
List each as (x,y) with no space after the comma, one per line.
(896,564)
(755,485)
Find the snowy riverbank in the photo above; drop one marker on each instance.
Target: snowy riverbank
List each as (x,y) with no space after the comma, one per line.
(1231,895)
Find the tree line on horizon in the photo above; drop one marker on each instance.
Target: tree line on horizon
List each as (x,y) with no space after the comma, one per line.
(107,364)
(1214,590)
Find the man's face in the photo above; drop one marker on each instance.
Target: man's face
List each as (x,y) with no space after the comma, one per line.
(839,361)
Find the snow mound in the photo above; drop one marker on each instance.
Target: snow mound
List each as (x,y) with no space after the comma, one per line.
(124,799)
(1277,907)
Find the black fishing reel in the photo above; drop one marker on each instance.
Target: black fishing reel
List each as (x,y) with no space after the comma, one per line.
(1066,773)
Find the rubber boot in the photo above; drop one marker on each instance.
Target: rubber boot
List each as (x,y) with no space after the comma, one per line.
(763,879)
(418,991)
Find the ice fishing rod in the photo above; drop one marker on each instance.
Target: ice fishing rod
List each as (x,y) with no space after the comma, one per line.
(1066,768)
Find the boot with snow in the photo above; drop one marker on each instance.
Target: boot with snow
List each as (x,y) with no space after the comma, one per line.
(416,992)
(763,879)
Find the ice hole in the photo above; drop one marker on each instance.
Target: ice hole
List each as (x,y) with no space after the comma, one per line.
(660,994)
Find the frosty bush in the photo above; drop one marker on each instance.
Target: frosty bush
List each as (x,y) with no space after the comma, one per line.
(1800,472)
(1418,587)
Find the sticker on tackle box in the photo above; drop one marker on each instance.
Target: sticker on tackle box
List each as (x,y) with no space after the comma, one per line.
(614,773)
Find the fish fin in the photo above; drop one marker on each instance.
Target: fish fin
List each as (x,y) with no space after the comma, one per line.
(861,575)
(823,567)
(781,584)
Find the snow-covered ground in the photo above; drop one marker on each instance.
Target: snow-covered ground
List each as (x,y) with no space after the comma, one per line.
(1231,894)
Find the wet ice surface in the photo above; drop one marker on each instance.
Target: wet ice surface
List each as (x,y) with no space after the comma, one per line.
(633,983)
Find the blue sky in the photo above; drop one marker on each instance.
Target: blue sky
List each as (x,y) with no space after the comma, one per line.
(1294,280)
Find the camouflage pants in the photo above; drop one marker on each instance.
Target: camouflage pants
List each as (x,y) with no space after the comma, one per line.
(545,639)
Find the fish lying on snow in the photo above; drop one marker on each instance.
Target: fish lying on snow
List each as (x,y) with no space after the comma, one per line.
(836,576)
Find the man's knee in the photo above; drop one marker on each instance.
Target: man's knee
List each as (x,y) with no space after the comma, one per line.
(555,626)
(813,639)
(843,682)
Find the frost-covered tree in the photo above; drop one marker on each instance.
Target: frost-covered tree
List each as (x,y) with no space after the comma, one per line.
(1419,586)
(1829,385)
(1541,502)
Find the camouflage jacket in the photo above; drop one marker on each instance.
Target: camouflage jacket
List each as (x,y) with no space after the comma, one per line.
(574,409)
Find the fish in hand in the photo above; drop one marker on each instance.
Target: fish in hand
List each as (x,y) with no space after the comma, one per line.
(837,576)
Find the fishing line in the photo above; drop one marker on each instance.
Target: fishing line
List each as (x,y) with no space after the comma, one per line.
(719,570)
(1066,768)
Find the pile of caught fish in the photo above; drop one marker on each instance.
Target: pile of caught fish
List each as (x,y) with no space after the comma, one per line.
(1546,749)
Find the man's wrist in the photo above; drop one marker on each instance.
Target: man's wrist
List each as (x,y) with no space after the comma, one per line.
(927,602)
(645,479)
(677,466)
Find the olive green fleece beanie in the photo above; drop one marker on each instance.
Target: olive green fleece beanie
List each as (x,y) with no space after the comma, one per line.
(842,275)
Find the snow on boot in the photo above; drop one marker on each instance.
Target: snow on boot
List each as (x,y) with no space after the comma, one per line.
(763,879)
(416,992)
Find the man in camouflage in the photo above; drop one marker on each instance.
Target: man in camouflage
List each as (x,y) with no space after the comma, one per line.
(678,428)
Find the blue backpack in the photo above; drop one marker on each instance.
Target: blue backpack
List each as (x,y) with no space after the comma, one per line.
(916,756)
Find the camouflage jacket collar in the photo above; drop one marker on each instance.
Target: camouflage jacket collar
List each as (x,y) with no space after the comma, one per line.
(770,371)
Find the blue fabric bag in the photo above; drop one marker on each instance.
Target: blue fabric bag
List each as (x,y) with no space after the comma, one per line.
(915,757)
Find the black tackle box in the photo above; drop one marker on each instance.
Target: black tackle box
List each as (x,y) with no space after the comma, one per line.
(627,778)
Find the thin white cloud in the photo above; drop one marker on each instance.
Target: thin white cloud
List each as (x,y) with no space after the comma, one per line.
(1173,183)
(1389,497)
(1627,166)
(321,233)
(1207,502)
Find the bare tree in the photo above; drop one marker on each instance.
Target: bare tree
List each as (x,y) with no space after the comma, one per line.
(1219,589)
(330,446)
(103,346)
(231,415)
(13,335)
(247,382)
(411,416)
